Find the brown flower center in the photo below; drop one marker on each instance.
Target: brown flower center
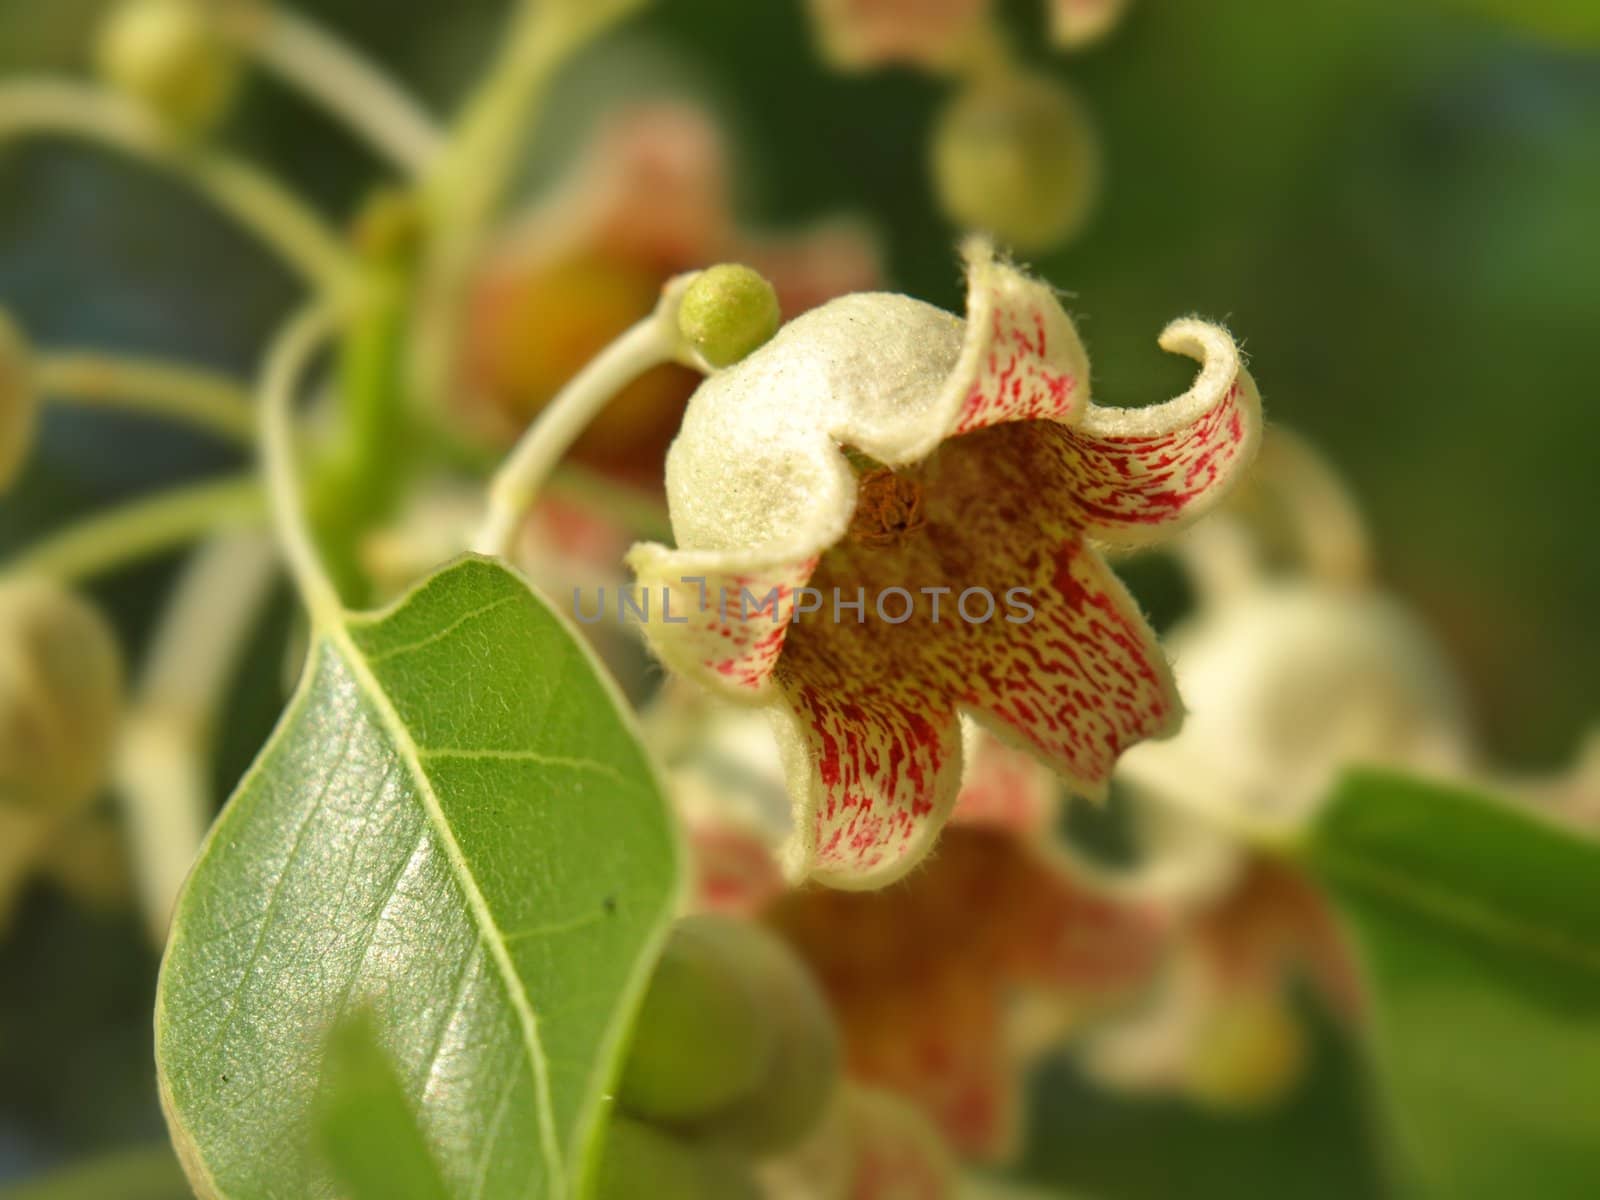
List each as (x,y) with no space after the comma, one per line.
(888,508)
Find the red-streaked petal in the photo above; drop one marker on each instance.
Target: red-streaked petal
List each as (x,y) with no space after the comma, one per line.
(733,871)
(948,1057)
(1021,359)
(1070,940)
(1084,679)
(719,620)
(1139,471)
(875,770)
(1005,788)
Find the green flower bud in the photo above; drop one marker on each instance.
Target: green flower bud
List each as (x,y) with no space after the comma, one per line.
(171,56)
(803,1071)
(60,697)
(1016,156)
(19,403)
(727,312)
(704,1038)
(640,1160)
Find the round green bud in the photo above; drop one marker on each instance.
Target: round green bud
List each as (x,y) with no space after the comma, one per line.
(803,1072)
(728,311)
(60,697)
(641,1160)
(1017,157)
(173,57)
(19,402)
(704,1038)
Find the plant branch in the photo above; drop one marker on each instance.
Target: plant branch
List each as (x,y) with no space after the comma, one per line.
(515,485)
(200,398)
(256,200)
(344,82)
(143,527)
(287,361)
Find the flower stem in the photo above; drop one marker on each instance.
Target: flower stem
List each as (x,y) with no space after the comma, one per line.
(163,759)
(467,185)
(276,215)
(514,486)
(290,355)
(199,398)
(322,66)
(144,527)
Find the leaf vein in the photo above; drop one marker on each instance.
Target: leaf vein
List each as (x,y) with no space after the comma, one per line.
(438,635)
(493,938)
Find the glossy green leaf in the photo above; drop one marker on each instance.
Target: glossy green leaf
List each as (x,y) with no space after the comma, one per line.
(454,827)
(1479,925)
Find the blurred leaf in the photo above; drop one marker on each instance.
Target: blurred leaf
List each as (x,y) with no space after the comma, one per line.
(1573,22)
(366,1129)
(1317,1144)
(455,827)
(144,1174)
(1480,927)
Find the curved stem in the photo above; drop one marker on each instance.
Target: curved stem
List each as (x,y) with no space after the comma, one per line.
(277,216)
(467,185)
(164,757)
(205,400)
(144,527)
(287,361)
(307,57)
(652,341)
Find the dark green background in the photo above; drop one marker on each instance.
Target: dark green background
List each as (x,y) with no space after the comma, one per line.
(1395,205)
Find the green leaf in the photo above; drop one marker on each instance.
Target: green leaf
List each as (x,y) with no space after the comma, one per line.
(1480,927)
(366,1130)
(453,826)
(1566,22)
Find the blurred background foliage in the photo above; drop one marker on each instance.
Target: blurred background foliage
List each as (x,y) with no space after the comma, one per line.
(1395,205)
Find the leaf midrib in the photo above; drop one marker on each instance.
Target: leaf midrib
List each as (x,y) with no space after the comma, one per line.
(337,633)
(1419,896)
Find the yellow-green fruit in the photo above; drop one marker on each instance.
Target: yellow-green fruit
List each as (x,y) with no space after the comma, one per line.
(19,403)
(727,312)
(1016,156)
(171,56)
(60,697)
(803,1072)
(640,1160)
(705,1036)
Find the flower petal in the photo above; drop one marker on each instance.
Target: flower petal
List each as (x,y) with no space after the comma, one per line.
(1005,788)
(927,978)
(1084,679)
(1140,471)
(722,618)
(1021,359)
(759,463)
(874,770)
(857,34)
